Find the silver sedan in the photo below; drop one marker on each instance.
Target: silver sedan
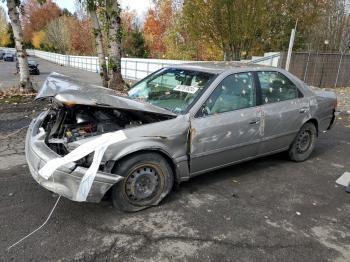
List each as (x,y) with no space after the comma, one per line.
(179,122)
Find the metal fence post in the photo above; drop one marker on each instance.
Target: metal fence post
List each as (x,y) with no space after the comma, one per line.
(126,66)
(136,71)
(339,66)
(307,66)
(315,64)
(322,70)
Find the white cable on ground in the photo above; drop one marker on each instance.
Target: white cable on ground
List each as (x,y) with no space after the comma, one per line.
(53,209)
(47,219)
(14,133)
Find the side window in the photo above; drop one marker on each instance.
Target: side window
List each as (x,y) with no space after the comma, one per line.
(234,92)
(276,87)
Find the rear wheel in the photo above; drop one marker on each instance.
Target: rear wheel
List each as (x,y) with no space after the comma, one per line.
(148,178)
(304,143)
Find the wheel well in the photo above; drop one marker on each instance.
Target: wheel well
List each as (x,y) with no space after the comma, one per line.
(164,155)
(313,121)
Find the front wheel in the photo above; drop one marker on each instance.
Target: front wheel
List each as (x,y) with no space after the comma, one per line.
(304,143)
(148,178)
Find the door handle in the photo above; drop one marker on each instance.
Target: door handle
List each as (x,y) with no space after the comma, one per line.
(255,121)
(303,110)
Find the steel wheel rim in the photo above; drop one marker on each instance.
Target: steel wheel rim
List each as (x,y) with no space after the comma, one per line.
(143,183)
(304,141)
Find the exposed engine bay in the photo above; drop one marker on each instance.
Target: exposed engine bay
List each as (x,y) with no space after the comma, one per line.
(65,124)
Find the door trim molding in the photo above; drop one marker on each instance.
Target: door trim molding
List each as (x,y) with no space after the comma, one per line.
(243,144)
(237,162)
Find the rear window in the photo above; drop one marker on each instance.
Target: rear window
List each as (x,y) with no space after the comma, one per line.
(276,87)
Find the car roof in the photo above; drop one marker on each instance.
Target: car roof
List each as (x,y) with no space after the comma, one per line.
(219,67)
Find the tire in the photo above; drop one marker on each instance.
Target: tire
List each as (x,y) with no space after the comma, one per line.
(148,178)
(304,143)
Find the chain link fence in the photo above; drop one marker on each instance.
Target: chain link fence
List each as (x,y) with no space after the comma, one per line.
(324,70)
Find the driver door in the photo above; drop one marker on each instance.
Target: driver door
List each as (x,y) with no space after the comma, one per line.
(227,128)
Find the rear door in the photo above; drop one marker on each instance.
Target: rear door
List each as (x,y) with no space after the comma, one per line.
(226,128)
(284,110)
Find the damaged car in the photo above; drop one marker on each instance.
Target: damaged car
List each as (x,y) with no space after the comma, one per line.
(179,122)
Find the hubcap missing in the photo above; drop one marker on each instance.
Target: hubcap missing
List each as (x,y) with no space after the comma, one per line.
(304,141)
(142,184)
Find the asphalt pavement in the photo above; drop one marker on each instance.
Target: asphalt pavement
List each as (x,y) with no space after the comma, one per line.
(9,78)
(269,209)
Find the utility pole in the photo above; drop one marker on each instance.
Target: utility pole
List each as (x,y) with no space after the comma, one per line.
(291,44)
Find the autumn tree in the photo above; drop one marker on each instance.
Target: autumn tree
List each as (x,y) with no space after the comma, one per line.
(57,35)
(3,21)
(38,39)
(37,15)
(179,42)
(157,21)
(80,36)
(277,27)
(333,25)
(5,37)
(133,40)
(10,38)
(231,25)
(166,34)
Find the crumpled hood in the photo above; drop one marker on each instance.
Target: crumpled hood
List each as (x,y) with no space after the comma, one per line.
(67,90)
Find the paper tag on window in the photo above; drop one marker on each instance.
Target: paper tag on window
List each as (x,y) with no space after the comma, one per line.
(186,89)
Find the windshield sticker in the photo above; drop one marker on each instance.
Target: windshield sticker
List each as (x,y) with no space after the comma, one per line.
(186,89)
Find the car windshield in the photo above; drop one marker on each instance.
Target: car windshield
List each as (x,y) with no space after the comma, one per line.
(31,62)
(171,88)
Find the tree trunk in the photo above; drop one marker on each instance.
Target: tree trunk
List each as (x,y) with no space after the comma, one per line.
(99,47)
(237,53)
(25,83)
(114,48)
(228,53)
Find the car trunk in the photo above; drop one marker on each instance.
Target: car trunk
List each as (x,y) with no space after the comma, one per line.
(327,106)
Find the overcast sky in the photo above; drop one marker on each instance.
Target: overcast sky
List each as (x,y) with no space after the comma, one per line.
(140,6)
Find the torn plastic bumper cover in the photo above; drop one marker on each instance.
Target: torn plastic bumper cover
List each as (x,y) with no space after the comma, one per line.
(67,178)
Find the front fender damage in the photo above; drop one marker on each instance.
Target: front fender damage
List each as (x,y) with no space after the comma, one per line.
(168,137)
